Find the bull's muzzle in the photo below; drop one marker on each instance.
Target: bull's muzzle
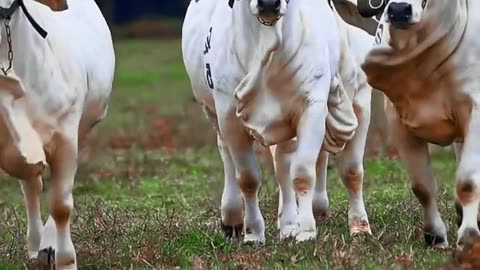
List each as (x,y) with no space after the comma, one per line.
(269,7)
(400,14)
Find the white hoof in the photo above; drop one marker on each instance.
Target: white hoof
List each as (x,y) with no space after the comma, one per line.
(288,231)
(32,255)
(254,239)
(441,246)
(359,226)
(65,263)
(306,236)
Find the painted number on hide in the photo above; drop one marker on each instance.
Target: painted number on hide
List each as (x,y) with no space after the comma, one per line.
(208,69)
(207,42)
(208,73)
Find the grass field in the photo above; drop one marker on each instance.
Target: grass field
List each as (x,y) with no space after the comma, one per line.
(148,198)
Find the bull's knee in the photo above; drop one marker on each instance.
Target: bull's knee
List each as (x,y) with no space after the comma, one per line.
(303,176)
(467,187)
(352,177)
(248,183)
(61,210)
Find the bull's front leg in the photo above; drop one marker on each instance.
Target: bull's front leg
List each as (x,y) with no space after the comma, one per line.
(414,154)
(32,191)
(287,205)
(468,181)
(310,134)
(232,204)
(63,162)
(350,165)
(247,173)
(320,198)
(458,206)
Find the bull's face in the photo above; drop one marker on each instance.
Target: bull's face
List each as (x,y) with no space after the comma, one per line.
(405,13)
(268,11)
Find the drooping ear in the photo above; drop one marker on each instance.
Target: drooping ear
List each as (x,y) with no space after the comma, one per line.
(350,14)
(55,5)
(370,8)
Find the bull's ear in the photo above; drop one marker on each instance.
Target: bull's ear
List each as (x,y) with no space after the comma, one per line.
(55,5)
(370,8)
(350,14)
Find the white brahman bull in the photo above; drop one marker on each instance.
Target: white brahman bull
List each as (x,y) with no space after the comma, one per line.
(57,89)
(274,71)
(427,65)
(356,44)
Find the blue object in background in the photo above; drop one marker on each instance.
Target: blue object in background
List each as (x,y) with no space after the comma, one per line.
(124,11)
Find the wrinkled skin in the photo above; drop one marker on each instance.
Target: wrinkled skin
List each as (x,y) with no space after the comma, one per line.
(437,102)
(245,102)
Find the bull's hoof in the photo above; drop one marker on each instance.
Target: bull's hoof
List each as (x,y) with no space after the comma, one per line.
(231,231)
(359,226)
(288,231)
(434,239)
(66,263)
(320,206)
(251,238)
(469,237)
(306,236)
(46,257)
(320,214)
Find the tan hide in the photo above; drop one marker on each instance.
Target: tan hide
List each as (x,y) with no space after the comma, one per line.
(21,153)
(55,5)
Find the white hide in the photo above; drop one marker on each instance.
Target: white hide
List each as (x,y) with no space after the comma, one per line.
(66,80)
(284,86)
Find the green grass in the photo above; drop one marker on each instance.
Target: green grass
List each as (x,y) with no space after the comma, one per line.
(144,206)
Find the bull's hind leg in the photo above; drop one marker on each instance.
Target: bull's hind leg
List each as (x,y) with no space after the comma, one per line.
(248,178)
(232,204)
(350,165)
(468,182)
(458,205)
(320,197)
(32,191)
(414,153)
(46,255)
(287,204)
(303,167)
(247,174)
(63,162)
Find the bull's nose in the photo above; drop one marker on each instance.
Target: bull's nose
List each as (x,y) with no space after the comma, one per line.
(269,6)
(400,13)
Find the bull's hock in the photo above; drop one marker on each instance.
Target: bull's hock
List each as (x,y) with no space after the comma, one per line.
(21,149)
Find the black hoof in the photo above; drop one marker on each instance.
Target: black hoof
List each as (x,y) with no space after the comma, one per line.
(320,215)
(469,238)
(231,231)
(46,256)
(431,238)
(459,210)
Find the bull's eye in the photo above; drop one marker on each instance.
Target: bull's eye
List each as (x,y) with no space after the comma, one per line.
(424,3)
